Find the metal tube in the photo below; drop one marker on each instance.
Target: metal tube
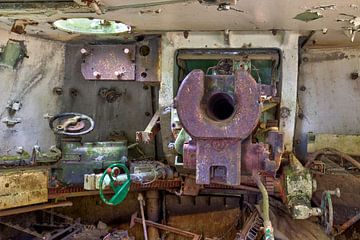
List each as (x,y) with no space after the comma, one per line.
(335,152)
(269,233)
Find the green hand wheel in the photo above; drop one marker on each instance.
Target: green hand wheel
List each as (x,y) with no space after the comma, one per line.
(120,190)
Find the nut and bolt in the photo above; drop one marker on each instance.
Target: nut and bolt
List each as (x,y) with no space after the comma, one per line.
(96,74)
(171,146)
(126,50)
(119,74)
(83,51)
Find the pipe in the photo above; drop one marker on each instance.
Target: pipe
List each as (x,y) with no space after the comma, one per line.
(153,212)
(269,232)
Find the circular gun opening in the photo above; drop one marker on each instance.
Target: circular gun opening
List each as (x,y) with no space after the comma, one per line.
(220,106)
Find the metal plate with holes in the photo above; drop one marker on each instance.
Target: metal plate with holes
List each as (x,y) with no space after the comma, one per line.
(148,60)
(139,61)
(108,62)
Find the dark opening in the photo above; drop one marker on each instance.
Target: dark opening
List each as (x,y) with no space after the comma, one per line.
(220,106)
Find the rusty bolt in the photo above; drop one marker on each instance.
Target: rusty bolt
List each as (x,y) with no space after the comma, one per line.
(354,75)
(284,112)
(118,74)
(305,59)
(96,74)
(126,50)
(83,51)
(302,88)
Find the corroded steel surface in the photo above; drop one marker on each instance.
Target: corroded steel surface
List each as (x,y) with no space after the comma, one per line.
(109,62)
(218,140)
(199,125)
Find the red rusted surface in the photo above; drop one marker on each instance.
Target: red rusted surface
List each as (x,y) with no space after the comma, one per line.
(158,184)
(109,62)
(192,113)
(218,140)
(189,157)
(221,149)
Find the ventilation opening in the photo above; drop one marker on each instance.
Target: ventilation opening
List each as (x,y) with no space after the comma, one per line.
(220,106)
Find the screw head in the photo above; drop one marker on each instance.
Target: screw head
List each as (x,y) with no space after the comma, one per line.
(83,51)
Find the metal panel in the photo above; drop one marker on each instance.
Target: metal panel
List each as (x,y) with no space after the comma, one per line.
(23,187)
(349,144)
(328,96)
(108,62)
(32,85)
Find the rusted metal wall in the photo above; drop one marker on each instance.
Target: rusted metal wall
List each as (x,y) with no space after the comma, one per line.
(31,84)
(328,97)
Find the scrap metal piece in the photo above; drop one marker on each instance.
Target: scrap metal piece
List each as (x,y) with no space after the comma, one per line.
(53,155)
(150,131)
(251,227)
(348,224)
(177,231)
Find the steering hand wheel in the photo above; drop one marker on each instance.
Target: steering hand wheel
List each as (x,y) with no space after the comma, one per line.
(120,191)
(72,124)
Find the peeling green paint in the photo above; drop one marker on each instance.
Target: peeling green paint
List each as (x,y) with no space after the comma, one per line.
(308,16)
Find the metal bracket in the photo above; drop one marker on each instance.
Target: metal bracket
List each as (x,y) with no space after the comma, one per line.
(150,131)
